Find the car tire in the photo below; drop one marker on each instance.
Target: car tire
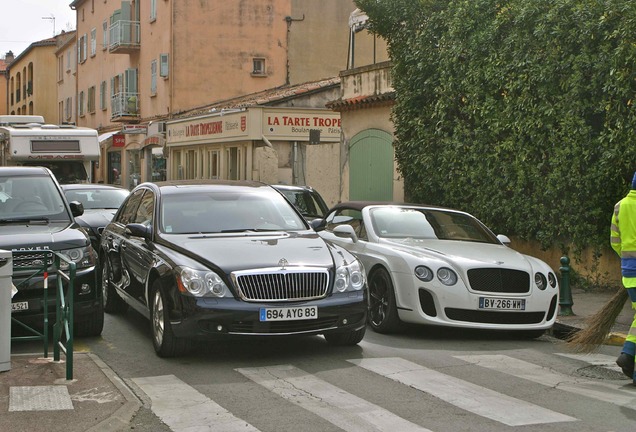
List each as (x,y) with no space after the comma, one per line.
(383,315)
(92,325)
(165,342)
(113,303)
(345,339)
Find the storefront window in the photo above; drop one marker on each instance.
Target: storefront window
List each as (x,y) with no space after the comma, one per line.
(114,167)
(158,166)
(134,168)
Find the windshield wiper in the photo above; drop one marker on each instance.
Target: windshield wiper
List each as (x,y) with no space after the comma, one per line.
(23,220)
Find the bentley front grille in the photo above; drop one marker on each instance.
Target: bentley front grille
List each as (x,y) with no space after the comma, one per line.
(278,285)
(498,280)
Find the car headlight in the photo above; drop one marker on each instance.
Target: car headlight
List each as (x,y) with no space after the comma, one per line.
(447,276)
(552,280)
(540,281)
(82,257)
(424,273)
(349,277)
(200,283)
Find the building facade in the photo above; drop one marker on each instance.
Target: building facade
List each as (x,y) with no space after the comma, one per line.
(32,87)
(367,157)
(143,64)
(66,69)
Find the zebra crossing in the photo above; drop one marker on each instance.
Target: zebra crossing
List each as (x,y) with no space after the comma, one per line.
(183,408)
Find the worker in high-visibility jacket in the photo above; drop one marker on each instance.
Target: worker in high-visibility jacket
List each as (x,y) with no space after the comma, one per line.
(623,241)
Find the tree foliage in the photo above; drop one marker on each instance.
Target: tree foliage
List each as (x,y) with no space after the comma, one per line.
(521,112)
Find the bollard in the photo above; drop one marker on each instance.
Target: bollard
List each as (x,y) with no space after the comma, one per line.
(565,301)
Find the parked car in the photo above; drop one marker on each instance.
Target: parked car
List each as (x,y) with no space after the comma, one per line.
(439,266)
(100,203)
(306,199)
(37,218)
(210,259)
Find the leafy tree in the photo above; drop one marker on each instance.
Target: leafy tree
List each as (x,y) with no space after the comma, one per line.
(518,111)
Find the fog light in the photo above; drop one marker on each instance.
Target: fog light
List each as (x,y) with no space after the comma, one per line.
(344,321)
(85,289)
(219,328)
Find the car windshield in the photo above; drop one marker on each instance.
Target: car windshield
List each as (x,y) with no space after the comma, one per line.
(97,198)
(401,222)
(306,202)
(31,198)
(222,212)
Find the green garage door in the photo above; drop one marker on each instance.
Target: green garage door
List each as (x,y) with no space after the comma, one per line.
(371,166)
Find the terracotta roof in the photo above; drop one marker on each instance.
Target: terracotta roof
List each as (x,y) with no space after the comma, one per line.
(360,102)
(44,42)
(266,97)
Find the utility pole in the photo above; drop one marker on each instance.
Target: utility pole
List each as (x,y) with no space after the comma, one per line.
(52,18)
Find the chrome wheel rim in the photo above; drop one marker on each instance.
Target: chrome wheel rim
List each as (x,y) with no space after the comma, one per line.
(157,318)
(105,283)
(379,301)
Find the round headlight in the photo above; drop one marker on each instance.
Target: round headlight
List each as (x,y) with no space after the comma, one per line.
(342,279)
(215,284)
(423,273)
(552,280)
(192,282)
(540,281)
(447,276)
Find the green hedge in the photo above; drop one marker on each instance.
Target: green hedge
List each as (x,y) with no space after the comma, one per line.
(520,112)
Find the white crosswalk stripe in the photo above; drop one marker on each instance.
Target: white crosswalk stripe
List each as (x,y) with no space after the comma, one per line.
(183,408)
(604,391)
(343,409)
(471,397)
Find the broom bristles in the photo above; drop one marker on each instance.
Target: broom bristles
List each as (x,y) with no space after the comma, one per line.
(599,325)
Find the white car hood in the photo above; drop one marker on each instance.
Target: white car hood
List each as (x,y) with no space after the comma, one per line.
(468,254)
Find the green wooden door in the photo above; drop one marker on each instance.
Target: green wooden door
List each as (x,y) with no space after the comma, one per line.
(371,166)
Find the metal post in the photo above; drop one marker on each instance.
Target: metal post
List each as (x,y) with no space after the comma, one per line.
(565,301)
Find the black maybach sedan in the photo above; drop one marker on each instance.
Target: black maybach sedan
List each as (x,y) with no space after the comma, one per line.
(208,259)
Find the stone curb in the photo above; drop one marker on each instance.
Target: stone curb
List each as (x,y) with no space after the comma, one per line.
(561,331)
(120,419)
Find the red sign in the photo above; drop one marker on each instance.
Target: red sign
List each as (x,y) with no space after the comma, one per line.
(119,140)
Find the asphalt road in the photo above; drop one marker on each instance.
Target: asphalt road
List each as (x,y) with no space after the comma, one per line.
(424,379)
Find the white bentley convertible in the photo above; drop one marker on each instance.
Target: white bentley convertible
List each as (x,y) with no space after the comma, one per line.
(439,266)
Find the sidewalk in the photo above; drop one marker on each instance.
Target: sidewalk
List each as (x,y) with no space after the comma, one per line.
(97,400)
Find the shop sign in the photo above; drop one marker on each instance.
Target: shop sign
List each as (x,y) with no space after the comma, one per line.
(300,125)
(134,129)
(119,140)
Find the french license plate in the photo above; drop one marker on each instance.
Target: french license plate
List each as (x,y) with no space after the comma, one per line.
(501,303)
(289,313)
(19,306)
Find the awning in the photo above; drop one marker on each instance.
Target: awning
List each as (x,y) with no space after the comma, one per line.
(155,140)
(107,135)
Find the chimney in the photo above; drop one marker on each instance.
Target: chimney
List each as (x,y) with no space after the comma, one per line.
(9,57)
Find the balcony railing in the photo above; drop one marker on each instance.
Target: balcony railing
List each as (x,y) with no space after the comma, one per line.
(124,106)
(124,37)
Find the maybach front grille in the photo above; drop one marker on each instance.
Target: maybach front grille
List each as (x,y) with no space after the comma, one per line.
(282,285)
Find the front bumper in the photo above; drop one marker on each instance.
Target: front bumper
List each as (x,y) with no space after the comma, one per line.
(213,318)
(86,301)
(457,306)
